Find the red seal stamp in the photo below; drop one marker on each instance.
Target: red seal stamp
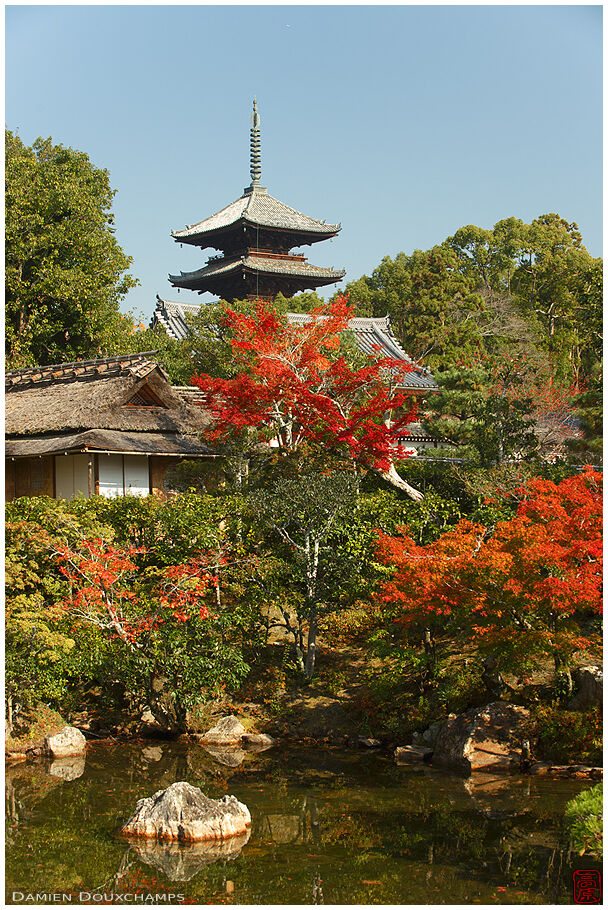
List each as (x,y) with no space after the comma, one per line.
(587,886)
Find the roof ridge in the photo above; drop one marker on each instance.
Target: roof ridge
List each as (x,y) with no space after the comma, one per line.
(79,363)
(106,367)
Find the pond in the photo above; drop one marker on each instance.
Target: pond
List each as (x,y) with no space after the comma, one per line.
(328,826)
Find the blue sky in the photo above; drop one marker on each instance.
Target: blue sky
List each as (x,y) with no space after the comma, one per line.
(402,122)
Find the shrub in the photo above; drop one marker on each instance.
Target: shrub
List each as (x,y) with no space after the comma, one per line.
(568,736)
(584,817)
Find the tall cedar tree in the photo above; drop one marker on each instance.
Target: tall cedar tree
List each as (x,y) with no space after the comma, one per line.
(291,383)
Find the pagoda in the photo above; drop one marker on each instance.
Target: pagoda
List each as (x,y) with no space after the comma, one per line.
(255,235)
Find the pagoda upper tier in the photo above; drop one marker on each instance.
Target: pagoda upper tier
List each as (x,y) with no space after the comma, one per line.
(256,233)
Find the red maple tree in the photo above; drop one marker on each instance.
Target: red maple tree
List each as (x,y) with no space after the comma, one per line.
(106,590)
(291,382)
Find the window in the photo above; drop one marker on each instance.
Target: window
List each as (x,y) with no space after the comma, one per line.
(144,398)
(71,476)
(123,474)
(36,475)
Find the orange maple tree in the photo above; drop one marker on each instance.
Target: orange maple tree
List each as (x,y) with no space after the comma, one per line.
(513,591)
(291,382)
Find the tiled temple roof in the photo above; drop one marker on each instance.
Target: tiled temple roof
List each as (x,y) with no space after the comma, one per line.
(257,207)
(375,338)
(171,316)
(138,365)
(271,266)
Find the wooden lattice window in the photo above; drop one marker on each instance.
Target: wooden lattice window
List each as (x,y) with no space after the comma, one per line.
(36,475)
(144,398)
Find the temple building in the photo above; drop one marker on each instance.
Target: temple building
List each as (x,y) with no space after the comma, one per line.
(374,336)
(107,427)
(255,235)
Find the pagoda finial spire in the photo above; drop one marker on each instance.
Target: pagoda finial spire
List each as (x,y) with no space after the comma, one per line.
(256,151)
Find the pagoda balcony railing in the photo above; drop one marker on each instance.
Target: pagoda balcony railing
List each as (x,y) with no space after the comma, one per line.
(257,254)
(271,254)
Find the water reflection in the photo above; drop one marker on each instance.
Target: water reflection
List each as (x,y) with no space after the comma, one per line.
(327,826)
(181,862)
(230,758)
(67,768)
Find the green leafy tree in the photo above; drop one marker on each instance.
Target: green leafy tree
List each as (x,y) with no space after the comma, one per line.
(304,513)
(433,307)
(542,272)
(65,272)
(588,410)
(39,647)
(584,816)
(486,409)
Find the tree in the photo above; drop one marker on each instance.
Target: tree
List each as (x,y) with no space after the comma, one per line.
(293,387)
(515,592)
(159,617)
(484,405)
(65,272)
(545,270)
(588,446)
(305,512)
(433,306)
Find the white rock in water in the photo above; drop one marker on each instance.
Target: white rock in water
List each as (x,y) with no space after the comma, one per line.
(226,731)
(68,741)
(183,812)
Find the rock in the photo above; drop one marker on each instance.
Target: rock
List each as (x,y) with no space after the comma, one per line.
(589,684)
(431,733)
(227,731)
(411,754)
(258,740)
(369,743)
(152,753)
(183,813)
(68,768)
(540,767)
(181,862)
(486,738)
(68,741)
(582,772)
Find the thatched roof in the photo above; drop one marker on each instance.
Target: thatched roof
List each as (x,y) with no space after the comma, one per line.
(123,404)
(108,442)
(70,397)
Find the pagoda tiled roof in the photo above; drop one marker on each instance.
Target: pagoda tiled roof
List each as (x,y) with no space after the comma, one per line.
(271,266)
(259,208)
